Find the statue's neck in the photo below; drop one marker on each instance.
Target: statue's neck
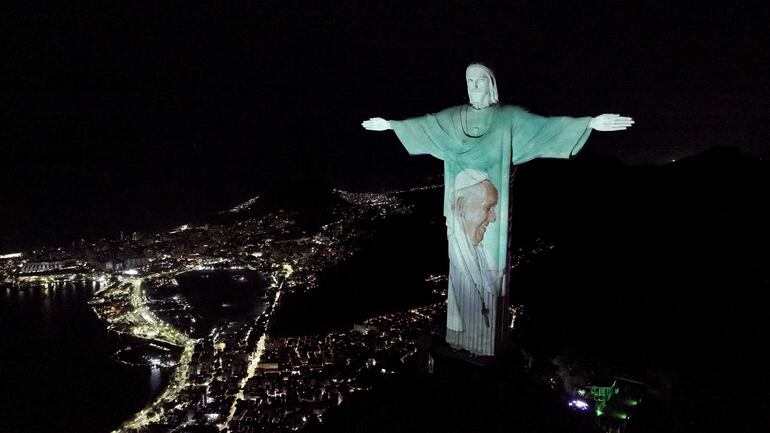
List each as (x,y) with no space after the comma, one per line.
(475,122)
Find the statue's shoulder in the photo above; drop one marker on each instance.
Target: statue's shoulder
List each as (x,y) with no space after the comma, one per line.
(448,115)
(513,110)
(450,111)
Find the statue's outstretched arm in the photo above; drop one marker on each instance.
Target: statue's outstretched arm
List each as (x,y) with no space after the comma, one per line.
(610,122)
(376,124)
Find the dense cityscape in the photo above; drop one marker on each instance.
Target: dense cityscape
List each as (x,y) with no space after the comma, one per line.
(234,377)
(243,374)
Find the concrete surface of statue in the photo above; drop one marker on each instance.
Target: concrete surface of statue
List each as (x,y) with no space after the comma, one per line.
(479,142)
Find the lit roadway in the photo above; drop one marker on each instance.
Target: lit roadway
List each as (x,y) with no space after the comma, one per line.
(257,354)
(147,325)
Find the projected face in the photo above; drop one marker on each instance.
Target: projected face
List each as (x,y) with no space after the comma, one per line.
(478,86)
(476,209)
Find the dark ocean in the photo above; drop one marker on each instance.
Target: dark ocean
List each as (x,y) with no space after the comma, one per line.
(57,373)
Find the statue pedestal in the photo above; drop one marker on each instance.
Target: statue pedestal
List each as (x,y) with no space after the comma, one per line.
(442,350)
(433,351)
(456,392)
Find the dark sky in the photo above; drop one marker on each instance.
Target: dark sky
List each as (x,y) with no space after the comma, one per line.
(144,100)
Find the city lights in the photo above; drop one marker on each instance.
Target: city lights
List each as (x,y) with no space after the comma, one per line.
(220,376)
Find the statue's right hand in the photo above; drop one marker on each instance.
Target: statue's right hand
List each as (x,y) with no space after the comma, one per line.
(376,124)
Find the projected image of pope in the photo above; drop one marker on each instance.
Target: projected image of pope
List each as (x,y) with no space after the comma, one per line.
(474,204)
(479,141)
(474,279)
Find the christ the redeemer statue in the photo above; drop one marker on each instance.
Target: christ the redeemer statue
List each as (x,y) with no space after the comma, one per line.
(478,143)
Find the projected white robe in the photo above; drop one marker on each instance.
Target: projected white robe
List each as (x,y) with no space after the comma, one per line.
(506,135)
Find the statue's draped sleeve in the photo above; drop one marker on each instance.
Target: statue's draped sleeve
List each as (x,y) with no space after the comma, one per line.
(547,137)
(426,135)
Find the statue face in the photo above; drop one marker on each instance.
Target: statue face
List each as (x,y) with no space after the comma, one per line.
(478,210)
(478,87)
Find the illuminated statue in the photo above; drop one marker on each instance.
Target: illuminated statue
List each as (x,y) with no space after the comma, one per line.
(478,143)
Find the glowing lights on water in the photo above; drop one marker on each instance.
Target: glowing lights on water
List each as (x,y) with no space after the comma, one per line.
(578,404)
(131,272)
(155,377)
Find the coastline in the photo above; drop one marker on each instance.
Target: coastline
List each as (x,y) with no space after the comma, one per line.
(58,355)
(141,322)
(145,320)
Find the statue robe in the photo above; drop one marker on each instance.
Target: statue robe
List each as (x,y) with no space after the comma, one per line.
(508,135)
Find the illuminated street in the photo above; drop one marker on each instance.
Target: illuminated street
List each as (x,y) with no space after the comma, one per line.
(214,376)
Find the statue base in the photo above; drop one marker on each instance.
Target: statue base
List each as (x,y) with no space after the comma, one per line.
(447,390)
(433,351)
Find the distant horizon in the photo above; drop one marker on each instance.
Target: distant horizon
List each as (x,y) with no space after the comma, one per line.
(201,214)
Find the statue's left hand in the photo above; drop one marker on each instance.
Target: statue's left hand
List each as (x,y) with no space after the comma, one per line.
(611,122)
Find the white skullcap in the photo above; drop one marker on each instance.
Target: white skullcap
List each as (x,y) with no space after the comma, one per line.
(469,177)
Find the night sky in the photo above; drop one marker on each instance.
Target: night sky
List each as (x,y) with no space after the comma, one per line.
(136,115)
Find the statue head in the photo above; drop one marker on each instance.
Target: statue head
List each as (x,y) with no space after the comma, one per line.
(482,87)
(474,204)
